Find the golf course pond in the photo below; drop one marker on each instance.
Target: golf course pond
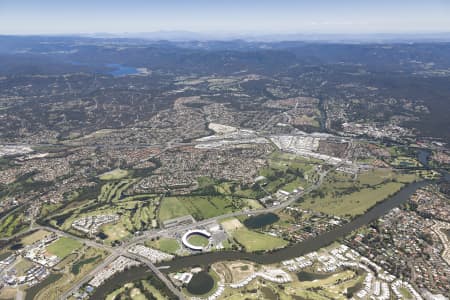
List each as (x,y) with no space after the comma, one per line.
(308,276)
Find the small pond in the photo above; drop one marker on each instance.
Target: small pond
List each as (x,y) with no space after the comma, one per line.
(261,220)
(201,283)
(307,276)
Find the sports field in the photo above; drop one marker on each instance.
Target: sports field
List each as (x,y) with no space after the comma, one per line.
(63,247)
(198,240)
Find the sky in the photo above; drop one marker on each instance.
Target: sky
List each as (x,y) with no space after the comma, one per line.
(226,16)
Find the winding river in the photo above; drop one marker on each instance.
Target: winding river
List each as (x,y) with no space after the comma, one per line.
(301,248)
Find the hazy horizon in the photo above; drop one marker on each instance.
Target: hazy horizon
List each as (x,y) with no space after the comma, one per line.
(251,17)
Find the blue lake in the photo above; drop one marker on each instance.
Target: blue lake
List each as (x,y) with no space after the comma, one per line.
(120,70)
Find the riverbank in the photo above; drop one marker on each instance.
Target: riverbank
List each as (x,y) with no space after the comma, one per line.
(301,248)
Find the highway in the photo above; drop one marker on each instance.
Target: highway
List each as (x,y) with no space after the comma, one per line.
(122,249)
(158,273)
(90,275)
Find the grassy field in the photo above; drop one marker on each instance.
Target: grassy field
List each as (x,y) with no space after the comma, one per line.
(168,245)
(171,207)
(405,293)
(353,204)
(205,207)
(287,172)
(114,174)
(341,195)
(198,240)
(253,204)
(374,177)
(255,241)
(63,247)
(200,207)
(115,232)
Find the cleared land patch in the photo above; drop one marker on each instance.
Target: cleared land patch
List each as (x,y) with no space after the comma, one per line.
(34,237)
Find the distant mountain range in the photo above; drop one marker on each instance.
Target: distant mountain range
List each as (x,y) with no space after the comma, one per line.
(320,37)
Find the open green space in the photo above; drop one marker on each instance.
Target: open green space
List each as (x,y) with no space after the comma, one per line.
(133,216)
(198,240)
(287,172)
(331,287)
(254,241)
(138,290)
(342,195)
(116,232)
(114,174)
(113,191)
(405,162)
(63,247)
(67,261)
(171,207)
(136,212)
(168,245)
(200,207)
(76,267)
(405,293)
(213,198)
(12,223)
(352,204)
